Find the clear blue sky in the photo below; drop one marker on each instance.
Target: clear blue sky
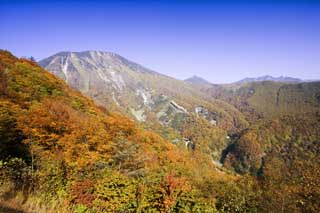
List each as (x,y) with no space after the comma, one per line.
(222,41)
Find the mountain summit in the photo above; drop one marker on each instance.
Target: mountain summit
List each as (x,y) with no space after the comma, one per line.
(197,80)
(89,69)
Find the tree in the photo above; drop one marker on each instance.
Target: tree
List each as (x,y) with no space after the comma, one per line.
(32,59)
(114,192)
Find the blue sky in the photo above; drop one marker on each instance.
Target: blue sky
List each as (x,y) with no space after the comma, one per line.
(222,41)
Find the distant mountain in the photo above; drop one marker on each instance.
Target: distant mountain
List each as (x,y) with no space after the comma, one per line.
(265,99)
(283,79)
(197,80)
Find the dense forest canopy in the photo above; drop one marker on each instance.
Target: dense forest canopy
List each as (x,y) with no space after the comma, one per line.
(60,152)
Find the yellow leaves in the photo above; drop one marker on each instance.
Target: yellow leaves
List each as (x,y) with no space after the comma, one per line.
(115,192)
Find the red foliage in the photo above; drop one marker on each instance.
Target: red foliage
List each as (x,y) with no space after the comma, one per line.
(171,188)
(82,193)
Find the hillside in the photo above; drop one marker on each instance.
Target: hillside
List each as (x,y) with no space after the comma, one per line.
(281,145)
(270,99)
(112,80)
(161,103)
(57,148)
(61,152)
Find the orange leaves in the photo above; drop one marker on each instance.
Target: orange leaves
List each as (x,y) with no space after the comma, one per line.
(171,188)
(6,58)
(173,185)
(62,127)
(83,193)
(86,139)
(119,125)
(60,120)
(47,122)
(3,81)
(27,61)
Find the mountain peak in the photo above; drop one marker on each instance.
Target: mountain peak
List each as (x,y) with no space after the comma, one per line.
(197,80)
(85,53)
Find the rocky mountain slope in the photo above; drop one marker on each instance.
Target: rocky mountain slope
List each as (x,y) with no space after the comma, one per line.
(147,96)
(115,81)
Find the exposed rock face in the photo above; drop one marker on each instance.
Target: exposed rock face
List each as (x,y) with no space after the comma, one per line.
(178,108)
(212,117)
(91,69)
(114,81)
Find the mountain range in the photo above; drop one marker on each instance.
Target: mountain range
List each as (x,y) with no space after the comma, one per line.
(95,132)
(198,80)
(147,96)
(180,106)
(283,79)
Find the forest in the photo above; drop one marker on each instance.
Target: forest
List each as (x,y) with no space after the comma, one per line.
(62,152)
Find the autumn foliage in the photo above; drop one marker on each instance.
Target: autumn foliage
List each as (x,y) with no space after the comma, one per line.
(58,148)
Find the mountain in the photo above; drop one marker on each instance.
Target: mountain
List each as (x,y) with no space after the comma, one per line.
(283,79)
(197,80)
(115,81)
(40,113)
(154,99)
(267,99)
(61,152)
